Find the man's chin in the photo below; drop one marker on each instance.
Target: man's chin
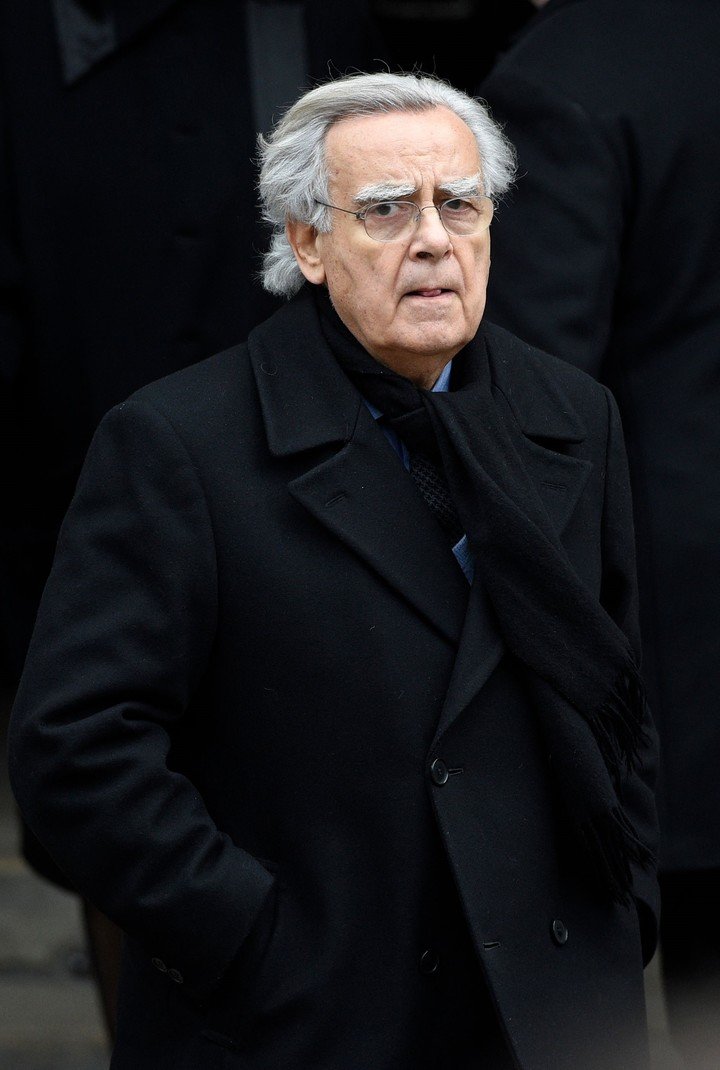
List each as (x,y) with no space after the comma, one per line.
(433,339)
(421,356)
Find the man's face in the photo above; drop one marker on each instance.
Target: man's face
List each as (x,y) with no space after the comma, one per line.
(413,304)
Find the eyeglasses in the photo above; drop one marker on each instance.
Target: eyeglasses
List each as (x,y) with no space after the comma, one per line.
(396,220)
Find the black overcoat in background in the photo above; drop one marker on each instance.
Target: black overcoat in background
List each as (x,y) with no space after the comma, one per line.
(129,241)
(252,648)
(607,256)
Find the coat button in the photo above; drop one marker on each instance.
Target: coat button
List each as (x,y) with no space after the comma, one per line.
(175,976)
(160,965)
(429,961)
(559,932)
(439,772)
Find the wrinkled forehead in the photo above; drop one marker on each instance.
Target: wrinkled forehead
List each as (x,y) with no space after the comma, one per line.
(407,150)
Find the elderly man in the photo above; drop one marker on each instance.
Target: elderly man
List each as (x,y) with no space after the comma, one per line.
(333,699)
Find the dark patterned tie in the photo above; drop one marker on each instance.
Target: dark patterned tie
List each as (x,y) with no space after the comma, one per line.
(430,481)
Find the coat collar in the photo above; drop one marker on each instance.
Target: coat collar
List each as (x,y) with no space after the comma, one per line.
(305,398)
(528,380)
(90,30)
(296,371)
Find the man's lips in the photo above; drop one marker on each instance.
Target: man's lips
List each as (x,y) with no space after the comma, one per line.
(438,291)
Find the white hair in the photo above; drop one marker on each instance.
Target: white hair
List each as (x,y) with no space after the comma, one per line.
(293,171)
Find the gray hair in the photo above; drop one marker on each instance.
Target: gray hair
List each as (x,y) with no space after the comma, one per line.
(293,171)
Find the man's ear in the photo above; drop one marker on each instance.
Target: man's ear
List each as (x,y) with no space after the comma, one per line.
(304,241)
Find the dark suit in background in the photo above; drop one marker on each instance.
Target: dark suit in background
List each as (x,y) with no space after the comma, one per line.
(608,257)
(128,226)
(456,39)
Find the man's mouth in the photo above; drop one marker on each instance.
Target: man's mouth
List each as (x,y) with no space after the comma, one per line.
(435,292)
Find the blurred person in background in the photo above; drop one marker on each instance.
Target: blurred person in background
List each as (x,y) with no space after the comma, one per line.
(607,256)
(455,39)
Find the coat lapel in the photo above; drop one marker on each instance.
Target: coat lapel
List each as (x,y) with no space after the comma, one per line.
(541,419)
(536,412)
(358,489)
(88,31)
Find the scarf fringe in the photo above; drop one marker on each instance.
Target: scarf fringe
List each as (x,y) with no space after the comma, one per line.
(619,724)
(612,844)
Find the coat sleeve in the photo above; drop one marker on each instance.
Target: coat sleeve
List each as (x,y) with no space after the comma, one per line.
(556,242)
(123,637)
(620,598)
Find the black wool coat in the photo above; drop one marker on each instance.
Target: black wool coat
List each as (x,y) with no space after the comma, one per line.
(607,256)
(254,649)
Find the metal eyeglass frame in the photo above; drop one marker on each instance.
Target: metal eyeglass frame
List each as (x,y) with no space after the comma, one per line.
(362,213)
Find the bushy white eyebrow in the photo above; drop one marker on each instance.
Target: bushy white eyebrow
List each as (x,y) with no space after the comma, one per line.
(471,186)
(464,187)
(383,191)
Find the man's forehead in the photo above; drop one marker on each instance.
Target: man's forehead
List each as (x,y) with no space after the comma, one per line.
(401,149)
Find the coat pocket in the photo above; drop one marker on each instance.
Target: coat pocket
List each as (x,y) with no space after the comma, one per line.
(240,995)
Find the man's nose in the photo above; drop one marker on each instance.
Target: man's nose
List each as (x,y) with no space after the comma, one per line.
(430,237)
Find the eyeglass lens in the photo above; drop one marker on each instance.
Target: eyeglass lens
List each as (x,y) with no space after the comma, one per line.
(392,220)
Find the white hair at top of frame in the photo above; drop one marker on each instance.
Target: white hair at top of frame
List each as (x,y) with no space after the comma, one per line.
(293,173)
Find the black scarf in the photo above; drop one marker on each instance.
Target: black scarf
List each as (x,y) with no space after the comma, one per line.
(579,665)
